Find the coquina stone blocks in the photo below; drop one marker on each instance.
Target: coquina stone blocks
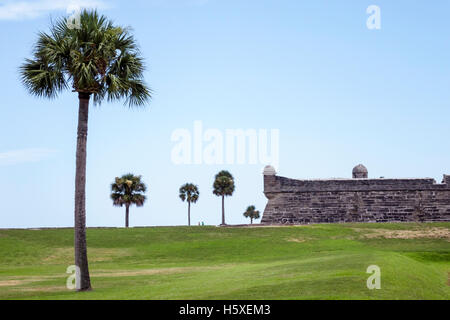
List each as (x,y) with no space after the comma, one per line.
(354,200)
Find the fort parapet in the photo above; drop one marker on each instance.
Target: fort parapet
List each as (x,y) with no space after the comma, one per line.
(354,200)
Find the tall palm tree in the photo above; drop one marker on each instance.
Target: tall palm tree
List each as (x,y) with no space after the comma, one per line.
(99,60)
(223,186)
(189,192)
(251,213)
(126,191)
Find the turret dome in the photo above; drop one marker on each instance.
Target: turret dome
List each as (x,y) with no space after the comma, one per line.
(360,172)
(269,171)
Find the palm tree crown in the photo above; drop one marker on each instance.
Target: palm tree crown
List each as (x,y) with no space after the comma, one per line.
(189,192)
(223,184)
(98,58)
(128,190)
(251,213)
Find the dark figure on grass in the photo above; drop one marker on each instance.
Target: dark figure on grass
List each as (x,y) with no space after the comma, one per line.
(98,60)
(223,186)
(189,192)
(126,191)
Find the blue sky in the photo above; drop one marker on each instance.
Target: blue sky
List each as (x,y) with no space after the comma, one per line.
(339,94)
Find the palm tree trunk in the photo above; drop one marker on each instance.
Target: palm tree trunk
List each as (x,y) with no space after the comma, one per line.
(81,260)
(223,209)
(189,213)
(251,220)
(127,215)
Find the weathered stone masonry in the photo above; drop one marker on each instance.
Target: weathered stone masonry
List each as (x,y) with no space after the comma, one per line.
(354,200)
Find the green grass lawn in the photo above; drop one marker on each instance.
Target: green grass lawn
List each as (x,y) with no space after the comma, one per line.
(302,262)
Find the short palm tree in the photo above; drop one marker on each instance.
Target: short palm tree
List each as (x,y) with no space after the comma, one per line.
(223,186)
(251,213)
(126,191)
(189,192)
(98,60)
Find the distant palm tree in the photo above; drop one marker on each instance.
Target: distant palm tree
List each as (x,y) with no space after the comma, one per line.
(223,186)
(189,192)
(95,59)
(126,191)
(251,213)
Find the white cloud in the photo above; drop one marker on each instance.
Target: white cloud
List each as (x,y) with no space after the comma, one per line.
(24,155)
(30,9)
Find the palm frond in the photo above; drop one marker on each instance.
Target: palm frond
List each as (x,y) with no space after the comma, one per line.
(42,79)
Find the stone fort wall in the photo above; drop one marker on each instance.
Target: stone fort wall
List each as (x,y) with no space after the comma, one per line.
(354,200)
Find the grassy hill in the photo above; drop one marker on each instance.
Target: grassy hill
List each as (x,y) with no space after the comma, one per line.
(303,262)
